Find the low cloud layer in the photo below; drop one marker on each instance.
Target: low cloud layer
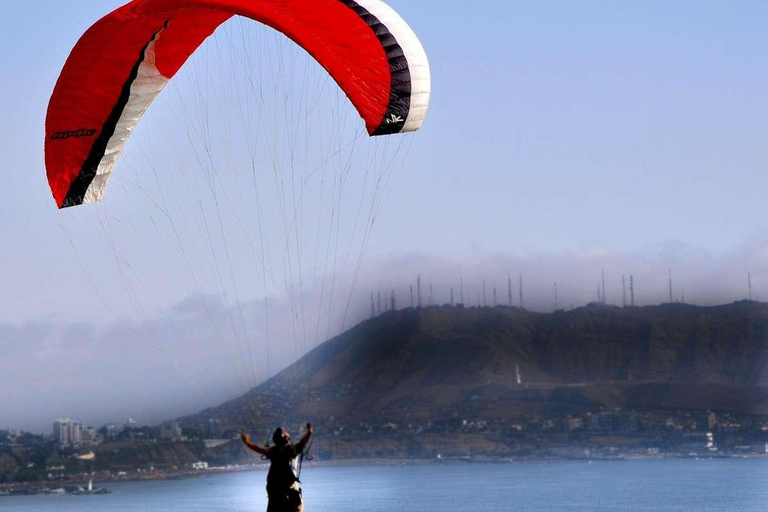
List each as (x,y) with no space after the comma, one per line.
(704,278)
(182,360)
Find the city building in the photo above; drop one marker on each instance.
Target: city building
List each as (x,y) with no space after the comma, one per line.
(214,428)
(110,431)
(603,422)
(170,431)
(89,435)
(72,433)
(626,423)
(705,422)
(570,424)
(75,433)
(62,431)
(698,440)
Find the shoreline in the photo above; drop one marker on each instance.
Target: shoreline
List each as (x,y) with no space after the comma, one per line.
(22,489)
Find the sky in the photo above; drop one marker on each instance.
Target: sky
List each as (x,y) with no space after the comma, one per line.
(563,139)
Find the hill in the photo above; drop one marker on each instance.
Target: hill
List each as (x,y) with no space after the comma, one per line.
(437,370)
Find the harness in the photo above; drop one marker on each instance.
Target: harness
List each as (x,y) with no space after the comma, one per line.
(305,454)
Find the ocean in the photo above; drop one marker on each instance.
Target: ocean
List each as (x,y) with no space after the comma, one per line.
(617,486)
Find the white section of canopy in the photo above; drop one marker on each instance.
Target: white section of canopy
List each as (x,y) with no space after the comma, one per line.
(148,84)
(418,65)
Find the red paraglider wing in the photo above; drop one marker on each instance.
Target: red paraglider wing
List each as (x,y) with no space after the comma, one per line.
(124,60)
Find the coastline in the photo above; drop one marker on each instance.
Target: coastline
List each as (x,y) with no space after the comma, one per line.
(103,481)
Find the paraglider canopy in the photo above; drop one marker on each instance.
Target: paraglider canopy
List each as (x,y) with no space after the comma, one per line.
(124,60)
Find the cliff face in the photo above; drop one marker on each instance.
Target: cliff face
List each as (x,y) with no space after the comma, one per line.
(439,362)
(724,345)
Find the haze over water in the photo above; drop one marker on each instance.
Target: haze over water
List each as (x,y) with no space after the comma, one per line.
(641,485)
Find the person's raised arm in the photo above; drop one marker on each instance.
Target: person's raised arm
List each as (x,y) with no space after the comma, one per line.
(304,440)
(247,442)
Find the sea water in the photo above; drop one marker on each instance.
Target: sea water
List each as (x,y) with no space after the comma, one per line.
(617,486)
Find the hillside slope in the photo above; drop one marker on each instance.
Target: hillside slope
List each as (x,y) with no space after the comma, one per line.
(434,364)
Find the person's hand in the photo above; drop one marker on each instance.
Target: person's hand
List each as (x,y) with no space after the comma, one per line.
(246,438)
(309,428)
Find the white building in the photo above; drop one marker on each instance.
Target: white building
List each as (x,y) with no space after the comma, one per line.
(75,433)
(704,440)
(90,435)
(72,433)
(61,431)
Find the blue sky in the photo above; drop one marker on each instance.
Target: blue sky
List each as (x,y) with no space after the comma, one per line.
(562,138)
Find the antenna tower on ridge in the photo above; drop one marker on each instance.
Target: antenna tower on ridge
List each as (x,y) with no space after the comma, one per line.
(418,291)
(623,292)
(603,278)
(670,286)
(555,296)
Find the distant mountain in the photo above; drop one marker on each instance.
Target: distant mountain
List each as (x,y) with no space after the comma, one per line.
(437,365)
